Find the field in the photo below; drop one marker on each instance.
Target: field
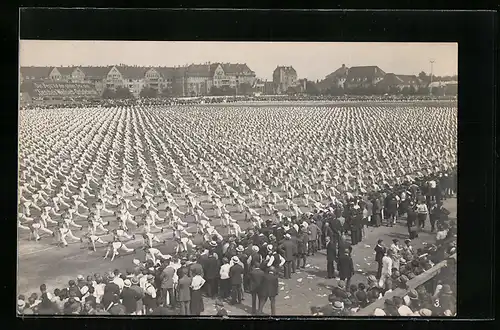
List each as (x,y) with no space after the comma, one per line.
(355,142)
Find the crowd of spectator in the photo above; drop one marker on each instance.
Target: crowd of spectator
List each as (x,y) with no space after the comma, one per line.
(77,102)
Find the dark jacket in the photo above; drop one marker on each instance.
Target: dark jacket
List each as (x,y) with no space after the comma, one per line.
(256,277)
(112,288)
(107,298)
(243,258)
(117,309)
(183,289)
(331,251)
(346,267)
(411,219)
(357,220)
(203,261)
(256,257)
(379,253)
(235,274)
(289,250)
(211,268)
(279,232)
(302,241)
(76,290)
(337,227)
(195,267)
(269,287)
(129,299)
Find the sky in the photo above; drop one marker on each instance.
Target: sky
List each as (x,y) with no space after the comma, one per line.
(311,60)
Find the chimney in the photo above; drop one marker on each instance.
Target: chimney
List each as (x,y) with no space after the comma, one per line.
(343,66)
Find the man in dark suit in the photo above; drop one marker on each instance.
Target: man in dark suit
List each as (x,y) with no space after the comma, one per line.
(379,254)
(269,290)
(288,250)
(183,292)
(236,277)
(129,297)
(279,232)
(356,225)
(240,253)
(256,278)
(331,257)
(211,275)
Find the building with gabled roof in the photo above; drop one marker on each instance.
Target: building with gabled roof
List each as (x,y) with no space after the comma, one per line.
(363,76)
(392,82)
(35,72)
(241,73)
(94,72)
(335,79)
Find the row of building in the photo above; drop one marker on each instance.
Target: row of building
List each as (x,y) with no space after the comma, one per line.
(189,80)
(200,79)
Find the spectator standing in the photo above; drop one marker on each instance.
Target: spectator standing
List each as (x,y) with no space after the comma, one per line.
(331,257)
(225,282)
(386,271)
(289,250)
(269,290)
(129,297)
(167,284)
(211,275)
(140,294)
(99,289)
(422,212)
(236,277)
(356,225)
(196,303)
(74,289)
(184,293)
(195,266)
(379,254)
(411,222)
(302,241)
(256,281)
(150,293)
(346,267)
(314,233)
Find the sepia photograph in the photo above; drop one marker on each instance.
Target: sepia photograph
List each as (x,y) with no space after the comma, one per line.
(183,178)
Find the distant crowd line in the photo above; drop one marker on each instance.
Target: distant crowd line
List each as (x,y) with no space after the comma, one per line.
(234,99)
